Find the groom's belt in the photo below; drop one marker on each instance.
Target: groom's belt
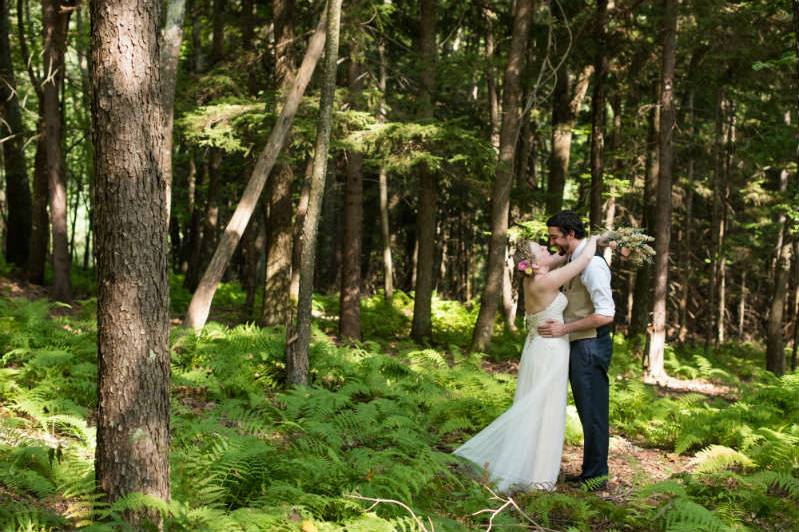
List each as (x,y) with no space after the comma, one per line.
(601,332)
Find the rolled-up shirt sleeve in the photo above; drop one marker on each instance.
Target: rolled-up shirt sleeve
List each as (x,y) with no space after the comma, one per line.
(596,279)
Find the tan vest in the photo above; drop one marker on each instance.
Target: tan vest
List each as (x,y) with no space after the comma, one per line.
(579,307)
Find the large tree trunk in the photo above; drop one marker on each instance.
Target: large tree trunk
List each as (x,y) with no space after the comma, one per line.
(18,194)
(775,342)
(500,195)
(350,294)
(55,18)
(200,304)
(598,116)
(491,83)
(653,370)
(133,290)
(298,334)
(277,278)
(422,323)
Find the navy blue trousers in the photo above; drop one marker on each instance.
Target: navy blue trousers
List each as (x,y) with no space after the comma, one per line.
(589,360)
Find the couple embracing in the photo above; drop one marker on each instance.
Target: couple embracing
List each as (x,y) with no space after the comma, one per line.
(568,339)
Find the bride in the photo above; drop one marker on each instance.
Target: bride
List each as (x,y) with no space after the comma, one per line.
(522,448)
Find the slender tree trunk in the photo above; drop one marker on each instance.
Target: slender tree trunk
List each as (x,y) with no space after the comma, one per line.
(500,196)
(598,115)
(742,307)
(615,144)
(775,342)
(298,334)
(201,300)
(385,229)
(218,31)
(422,323)
(132,223)
(350,293)
(642,300)
(171,40)
(277,278)
(654,370)
(18,195)
(717,225)
(491,83)
(54,22)
(795,348)
(685,241)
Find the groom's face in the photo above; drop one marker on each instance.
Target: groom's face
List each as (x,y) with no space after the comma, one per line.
(559,240)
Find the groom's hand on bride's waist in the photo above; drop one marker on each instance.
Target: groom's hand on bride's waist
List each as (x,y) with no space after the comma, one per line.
(552,329)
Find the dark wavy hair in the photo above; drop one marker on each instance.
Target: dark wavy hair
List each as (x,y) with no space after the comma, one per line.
(568,221)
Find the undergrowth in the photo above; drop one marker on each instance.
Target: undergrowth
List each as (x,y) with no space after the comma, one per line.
(379,419)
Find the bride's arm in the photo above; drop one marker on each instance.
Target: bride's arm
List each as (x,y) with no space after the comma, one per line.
(556,278)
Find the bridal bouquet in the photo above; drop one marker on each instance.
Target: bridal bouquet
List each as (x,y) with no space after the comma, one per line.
(631,243)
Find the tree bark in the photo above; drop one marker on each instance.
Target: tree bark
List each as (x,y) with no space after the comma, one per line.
(133,290)
(200,304)
(18,195)
(717,222)
(350,293)
(598,115)
(422,322)
(55,18)
(277,278)
(685,241)
(500,195)
(654,370)
(298,334)
(775,342)
(491,83)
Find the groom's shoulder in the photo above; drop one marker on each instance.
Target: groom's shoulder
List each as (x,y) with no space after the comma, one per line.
(598,263)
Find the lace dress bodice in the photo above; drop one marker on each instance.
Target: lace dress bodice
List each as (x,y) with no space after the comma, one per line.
(553,312)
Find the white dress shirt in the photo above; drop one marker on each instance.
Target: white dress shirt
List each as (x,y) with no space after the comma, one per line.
(596,279)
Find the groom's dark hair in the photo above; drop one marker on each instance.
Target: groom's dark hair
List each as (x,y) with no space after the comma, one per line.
(568,221)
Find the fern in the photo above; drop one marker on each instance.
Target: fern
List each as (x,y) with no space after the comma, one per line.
(719,458)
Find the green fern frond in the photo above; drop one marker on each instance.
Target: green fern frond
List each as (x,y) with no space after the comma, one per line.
(717,458)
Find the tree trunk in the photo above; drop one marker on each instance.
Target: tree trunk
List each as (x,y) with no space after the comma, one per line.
(775,343)
(54,22)
(298,334)
(742,307)
(218,31)
(385,229)
(296,237)
(717,225)
(491,83)
(133,290)
(685,241)
(350,293)
(171,39)
(422,323)
(500,196)
(598,115)
(200,304)
(653,370)
(277,278)
(642,301)
(18,195)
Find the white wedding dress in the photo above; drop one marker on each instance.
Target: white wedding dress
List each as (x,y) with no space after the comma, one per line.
(522,448)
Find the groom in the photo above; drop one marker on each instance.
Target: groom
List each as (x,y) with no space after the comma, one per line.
(587,323)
